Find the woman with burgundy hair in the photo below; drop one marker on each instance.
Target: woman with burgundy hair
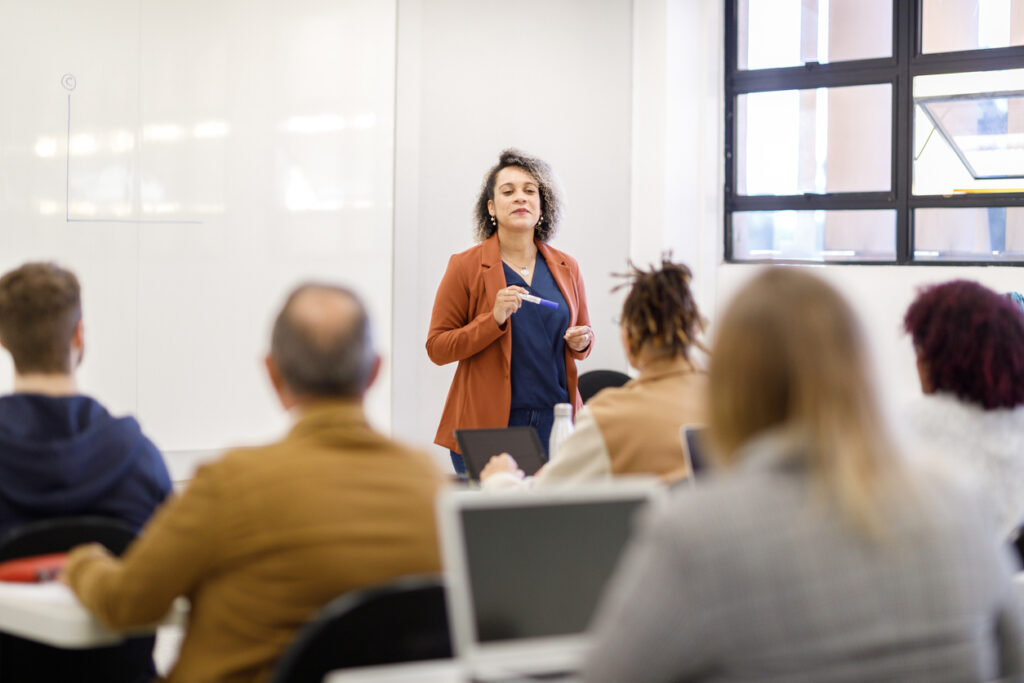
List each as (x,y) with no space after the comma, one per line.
(969,343)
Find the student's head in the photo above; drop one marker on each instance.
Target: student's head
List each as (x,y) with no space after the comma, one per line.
(659,316)
(789,358)
(969,342)
(321,346)
(41,319)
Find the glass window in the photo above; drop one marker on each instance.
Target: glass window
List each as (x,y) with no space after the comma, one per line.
(863,235)
(969,132)
(954,25)
(969,234)
(780,33)
(814,141)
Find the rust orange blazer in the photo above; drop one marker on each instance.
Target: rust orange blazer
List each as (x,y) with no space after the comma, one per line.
(462,329)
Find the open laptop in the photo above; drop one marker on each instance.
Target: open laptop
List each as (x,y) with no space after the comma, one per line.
(526,571)
(694,438)
(477,446)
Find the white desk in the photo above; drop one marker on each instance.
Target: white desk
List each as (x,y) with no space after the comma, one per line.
(49,613)
(434,671)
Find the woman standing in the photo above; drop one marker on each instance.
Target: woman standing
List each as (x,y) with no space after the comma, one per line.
(515,362)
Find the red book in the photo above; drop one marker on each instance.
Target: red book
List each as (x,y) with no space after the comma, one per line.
(36,568)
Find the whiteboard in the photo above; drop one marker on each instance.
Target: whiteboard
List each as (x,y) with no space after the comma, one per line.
(191,161)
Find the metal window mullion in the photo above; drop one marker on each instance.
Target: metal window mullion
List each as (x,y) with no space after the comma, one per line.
(984,200)
(731,53)
(802,78)
(988,59)
(906,25)
(812,202)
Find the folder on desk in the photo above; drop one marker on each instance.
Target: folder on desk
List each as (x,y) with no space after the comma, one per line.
(34,569)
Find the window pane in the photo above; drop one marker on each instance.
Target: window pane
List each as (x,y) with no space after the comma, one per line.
(969,132)
(778,33)
(969,234)
(814,235)
(953,25)
(817,141)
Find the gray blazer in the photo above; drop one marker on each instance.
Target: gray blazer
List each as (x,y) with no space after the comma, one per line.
(754,577)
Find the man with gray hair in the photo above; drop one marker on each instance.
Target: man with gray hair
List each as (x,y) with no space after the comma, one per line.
(264,537)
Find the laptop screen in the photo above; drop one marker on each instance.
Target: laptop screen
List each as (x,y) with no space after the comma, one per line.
(538,570)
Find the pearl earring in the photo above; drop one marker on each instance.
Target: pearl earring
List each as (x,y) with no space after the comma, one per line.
(493,222)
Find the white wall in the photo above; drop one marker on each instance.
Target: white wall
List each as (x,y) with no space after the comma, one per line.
(219,153)
(552,78)
(677,137)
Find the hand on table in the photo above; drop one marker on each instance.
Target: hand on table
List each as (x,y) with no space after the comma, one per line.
(498,464)
(507,302)
(578,337)
(89,550)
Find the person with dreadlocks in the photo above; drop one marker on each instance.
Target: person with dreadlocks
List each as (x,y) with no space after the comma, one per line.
(633,429)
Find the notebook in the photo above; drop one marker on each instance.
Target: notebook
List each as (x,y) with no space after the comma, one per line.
(477,446)
(526,571)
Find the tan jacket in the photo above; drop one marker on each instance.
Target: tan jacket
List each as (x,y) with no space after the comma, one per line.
(264,537)
(462,329)
(632,429)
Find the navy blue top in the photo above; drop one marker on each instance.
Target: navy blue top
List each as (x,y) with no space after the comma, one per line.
(538,346)
(67,456)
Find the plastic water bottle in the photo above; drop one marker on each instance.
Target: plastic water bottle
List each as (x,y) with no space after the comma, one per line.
(560,429)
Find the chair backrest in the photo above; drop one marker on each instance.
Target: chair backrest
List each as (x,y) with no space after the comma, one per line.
(1017,542)
(25,660)
(594,381)
(400,621)
(64,533)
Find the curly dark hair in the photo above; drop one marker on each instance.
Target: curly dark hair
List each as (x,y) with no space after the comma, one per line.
(550,195)
(659,310)
(971,340)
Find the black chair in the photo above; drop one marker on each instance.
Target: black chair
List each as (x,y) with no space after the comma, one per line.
(1017,542)
(26,661)
(62,534)
(594,381)
(401,621)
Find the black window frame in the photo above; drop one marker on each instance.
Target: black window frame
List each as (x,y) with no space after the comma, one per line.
(899,70)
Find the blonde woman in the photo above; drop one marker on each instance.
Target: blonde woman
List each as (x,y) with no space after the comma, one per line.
(816,555)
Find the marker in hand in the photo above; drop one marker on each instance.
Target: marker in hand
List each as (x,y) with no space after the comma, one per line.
(530,298)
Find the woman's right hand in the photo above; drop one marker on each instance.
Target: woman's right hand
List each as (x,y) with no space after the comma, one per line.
(498,464)
(507,302)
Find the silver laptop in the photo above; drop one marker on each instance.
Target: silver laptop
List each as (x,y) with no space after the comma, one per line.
(526,571)
(694,440)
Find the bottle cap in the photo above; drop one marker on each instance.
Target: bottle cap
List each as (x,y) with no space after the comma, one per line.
(563,410)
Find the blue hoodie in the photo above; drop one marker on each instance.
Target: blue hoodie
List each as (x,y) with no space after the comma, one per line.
(67,456)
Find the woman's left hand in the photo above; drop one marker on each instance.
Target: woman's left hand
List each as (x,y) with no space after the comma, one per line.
(579,337)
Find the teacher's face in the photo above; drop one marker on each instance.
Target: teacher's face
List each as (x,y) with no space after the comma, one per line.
(516,203)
